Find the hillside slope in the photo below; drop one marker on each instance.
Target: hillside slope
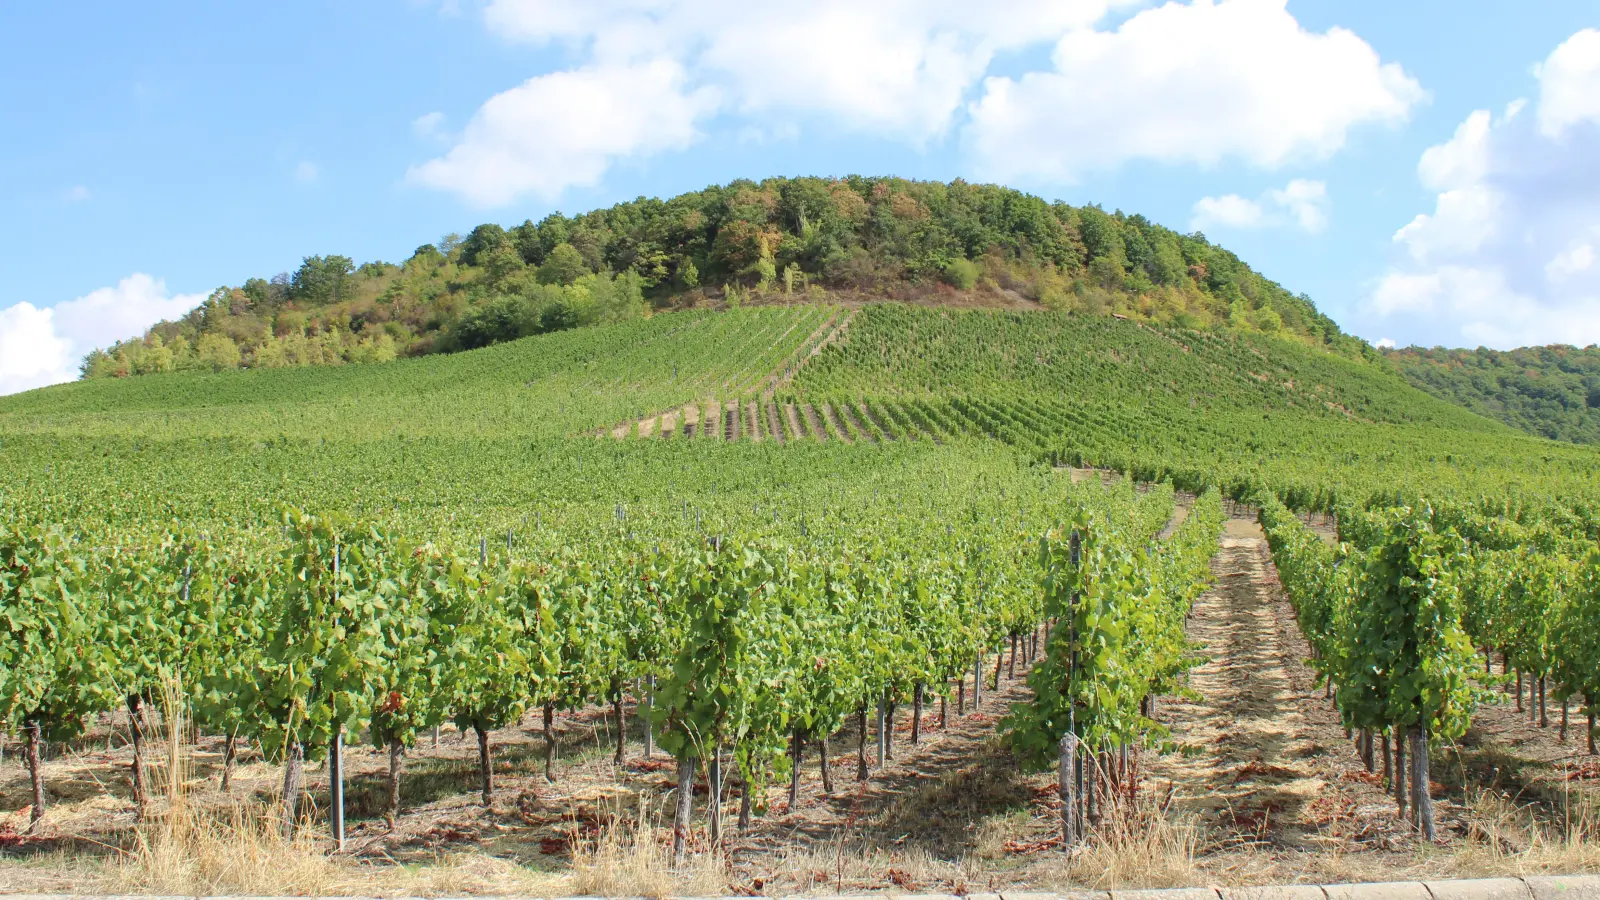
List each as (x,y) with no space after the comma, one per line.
(478,442)
(777,240)
(1553,391)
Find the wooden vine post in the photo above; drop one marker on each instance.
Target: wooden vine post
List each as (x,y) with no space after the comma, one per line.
(336,750)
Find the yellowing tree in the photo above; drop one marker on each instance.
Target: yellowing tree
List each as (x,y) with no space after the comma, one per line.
(217,351)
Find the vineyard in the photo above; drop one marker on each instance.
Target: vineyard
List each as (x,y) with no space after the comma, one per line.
(753,545)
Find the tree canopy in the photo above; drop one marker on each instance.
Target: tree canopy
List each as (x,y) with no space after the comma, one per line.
(746,241)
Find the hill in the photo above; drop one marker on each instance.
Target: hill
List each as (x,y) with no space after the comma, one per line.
(1550,391)
(781,239)
(474,442)
(775,519)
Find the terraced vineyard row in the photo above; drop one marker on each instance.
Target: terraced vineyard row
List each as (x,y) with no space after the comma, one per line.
(758,632)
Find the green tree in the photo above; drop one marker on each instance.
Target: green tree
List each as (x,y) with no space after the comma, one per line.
(483,240)
(321,279)
(218,351)
(564,266)
(688,275)
(501,266)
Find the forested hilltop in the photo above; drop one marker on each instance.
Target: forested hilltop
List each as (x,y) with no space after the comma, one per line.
(1550,391)
(777,240)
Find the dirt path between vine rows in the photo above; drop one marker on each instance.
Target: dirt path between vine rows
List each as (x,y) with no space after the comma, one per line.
(1264,761)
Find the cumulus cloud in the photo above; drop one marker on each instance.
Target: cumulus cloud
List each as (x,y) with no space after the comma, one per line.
(1193,81)
(40,346)
(1301,202)
(1573,261)
(31,353)
(428,125)
(896,67)
(1230,210)
(1570,84)
(1188,83)
(565,129)
(1508,250)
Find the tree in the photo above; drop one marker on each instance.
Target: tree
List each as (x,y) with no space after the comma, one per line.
(483,240)
(500,319)
(218,351)
(501,266)
(321,279)
(154,358)
(560,315)
(98,364)
(689,276)
(563,266)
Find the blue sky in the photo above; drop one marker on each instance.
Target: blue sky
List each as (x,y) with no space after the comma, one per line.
(156,151)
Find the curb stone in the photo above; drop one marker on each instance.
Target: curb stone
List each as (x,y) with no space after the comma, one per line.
(1563,887)
(1274,892)
(1481,889)
(1190,893)
(1382,890)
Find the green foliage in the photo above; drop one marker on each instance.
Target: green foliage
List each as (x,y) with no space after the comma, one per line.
(1388,627)
(321,279)
(962,273)
(1120,600)
(565,265)
(1550,391)
(56,668)
(325,643)
(1572,634)
(883,236)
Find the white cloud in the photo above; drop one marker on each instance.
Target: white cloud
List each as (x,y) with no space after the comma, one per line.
(31,353)
(1385,344)
(306,172)
(565,129)
(1569,84)
(1508,253)
(1300,202)
(1231,210)
(1188,83)
(75,194)
(1306,201)
(653,71)
(40,346)
(1406,292)
(1572,261)
(1185,82)
(428,125)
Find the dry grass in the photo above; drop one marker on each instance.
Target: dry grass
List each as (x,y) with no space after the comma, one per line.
(631,856)
(1505,838)
(1142,845)
(239,848)
(1501,839)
